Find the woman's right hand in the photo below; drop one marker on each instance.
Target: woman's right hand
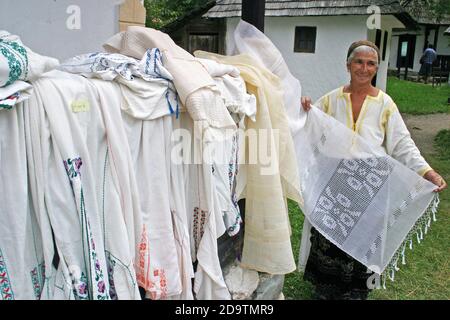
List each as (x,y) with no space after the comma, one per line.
(306,103)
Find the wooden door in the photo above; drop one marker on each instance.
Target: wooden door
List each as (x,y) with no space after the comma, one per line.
(205,42)
(406,50)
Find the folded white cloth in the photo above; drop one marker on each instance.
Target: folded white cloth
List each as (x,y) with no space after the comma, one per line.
(216,69)
(108,66)
(18,62)
(146,85)
(14,93)
(13,62)
(194,85)
(39,64)
(239,103)
(143,99)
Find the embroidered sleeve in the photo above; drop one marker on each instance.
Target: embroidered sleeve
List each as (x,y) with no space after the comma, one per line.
(399,143)
(323,104)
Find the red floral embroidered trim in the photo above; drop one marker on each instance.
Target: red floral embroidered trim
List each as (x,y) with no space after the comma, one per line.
(147,279)
(199,226)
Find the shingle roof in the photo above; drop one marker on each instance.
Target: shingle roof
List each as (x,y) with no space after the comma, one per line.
(232,8)
(428,18)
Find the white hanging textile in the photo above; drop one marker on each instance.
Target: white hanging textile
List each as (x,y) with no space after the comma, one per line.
(77,195)
(266,184)
(22,269)
(248,39)
(157,269)
(361,199)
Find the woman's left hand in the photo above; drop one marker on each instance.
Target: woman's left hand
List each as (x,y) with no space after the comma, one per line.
(435,178)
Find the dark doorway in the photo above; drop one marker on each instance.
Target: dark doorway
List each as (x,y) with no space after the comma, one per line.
(377,43)
(406,50)
(205,42)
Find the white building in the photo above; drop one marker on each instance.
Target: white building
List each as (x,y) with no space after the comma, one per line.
(314,36)
(65,28)
(408,45)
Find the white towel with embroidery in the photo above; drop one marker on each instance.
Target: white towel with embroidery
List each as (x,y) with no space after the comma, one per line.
(14,93)
(109,66)
(22,270)
(18,62)
(122,169)
(362,200)
(157,269)
(69,187)
(182,66)
(226,149)
(205,217)
(181,220)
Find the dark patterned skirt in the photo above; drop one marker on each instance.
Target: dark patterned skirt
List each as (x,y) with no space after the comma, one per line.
(334,274)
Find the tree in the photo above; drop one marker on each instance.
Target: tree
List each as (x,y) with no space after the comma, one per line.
(438,9)
(162,12)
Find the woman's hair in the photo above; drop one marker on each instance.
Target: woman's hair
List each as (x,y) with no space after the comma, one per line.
(362,46)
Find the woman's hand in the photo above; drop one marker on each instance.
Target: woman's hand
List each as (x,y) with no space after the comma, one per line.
(435,178)
(306,103)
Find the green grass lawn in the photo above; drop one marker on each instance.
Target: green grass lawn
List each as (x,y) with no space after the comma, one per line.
(419,98)
(426,276)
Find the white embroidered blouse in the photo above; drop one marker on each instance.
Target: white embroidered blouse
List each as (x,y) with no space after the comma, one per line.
(379,123)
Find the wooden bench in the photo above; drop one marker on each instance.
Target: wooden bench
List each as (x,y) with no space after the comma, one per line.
(438,76)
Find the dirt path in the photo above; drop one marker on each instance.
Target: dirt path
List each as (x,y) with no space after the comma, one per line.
(424,128)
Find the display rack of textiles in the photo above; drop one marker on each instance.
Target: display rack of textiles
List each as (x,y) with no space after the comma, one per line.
(124,170)
(125,174)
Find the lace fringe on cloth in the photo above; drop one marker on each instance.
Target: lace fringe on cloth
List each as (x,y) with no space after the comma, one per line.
(421,227)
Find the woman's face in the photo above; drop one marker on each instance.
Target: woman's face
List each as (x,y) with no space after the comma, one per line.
(363,67)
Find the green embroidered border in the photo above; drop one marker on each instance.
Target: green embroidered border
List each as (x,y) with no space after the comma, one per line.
(6,291)
(17,60)
(38,279)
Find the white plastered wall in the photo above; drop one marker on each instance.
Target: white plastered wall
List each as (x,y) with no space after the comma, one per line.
(325,69)
(387,24)
(443,46)
(42,24)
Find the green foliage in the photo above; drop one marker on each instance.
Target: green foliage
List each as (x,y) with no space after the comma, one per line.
(162,12)
(436,8)
(294,286)
(443,7)
(442,144)
(418,98)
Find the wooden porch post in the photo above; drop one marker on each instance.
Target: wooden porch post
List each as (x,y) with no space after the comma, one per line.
(436,35)
(131,13)
(253,12)
(427,33)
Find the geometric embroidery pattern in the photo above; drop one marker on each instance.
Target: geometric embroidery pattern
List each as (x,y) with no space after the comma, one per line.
(359,179)
(38,278)
(6,291)
(198,226)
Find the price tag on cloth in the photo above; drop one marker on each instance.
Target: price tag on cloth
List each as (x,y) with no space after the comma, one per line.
(80,106)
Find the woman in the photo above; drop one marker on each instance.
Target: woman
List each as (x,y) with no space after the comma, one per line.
(427,60)
(374,116)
